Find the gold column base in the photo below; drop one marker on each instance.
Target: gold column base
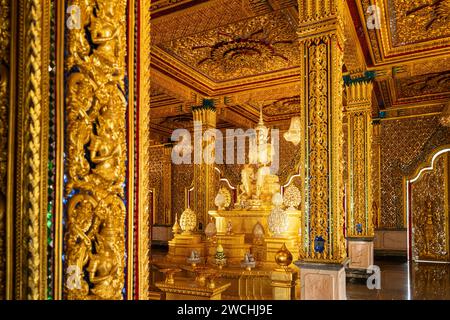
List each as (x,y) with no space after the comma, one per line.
(181,246)
(187,289)
(284,284)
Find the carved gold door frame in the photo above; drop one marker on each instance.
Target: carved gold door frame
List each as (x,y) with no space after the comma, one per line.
(427,208)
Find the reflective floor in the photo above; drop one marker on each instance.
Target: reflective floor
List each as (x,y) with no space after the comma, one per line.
(427,281)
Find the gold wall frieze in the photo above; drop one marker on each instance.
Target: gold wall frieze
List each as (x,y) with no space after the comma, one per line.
(96,106)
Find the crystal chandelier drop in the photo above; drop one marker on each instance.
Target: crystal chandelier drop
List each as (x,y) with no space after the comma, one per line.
(293,135)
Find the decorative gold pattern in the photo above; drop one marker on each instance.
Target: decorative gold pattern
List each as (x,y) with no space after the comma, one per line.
(402,140)
(5,34)
(95,240)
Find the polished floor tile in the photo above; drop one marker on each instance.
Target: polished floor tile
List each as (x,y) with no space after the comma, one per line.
(404,281)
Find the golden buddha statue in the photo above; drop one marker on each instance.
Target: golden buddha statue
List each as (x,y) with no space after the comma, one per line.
(257,189)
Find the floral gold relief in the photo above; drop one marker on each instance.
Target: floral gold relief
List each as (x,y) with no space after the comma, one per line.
(96,152)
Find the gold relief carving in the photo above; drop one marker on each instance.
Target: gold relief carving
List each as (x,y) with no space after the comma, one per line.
(263,44)
(402,140)
(359,100)
(5,34)
(95,100)
(429,213)
(430,281)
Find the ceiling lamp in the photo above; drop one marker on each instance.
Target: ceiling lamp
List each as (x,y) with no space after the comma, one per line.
(293,134)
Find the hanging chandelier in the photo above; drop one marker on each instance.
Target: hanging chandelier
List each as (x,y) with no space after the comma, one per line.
(293,134)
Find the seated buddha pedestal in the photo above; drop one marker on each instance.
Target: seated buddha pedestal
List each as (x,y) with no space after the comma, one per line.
(181,246)
(241,239)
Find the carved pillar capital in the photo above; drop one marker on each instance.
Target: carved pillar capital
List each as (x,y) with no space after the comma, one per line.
(359,96)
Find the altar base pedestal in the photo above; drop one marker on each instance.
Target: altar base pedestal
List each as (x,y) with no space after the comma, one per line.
(283,284)
(181,246)
(188,289)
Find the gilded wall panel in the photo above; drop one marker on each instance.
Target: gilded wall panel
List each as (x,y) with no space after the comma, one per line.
(160,171)
(182,176)
(430,213)
(402,141)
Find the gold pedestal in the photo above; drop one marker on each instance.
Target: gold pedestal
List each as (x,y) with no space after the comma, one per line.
(181,246)
(187,289)
(273,245)
(234,247)
(243,221)
(284,284)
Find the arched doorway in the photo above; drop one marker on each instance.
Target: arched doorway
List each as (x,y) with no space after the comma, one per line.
(427,205)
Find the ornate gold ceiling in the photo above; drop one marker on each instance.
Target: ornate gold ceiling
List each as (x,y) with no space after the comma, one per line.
(409,53)
(247,48)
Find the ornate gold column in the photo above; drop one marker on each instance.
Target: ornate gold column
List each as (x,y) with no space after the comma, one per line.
(322,251)
(5,32)
(204,183)
(359,200)
(95,116)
